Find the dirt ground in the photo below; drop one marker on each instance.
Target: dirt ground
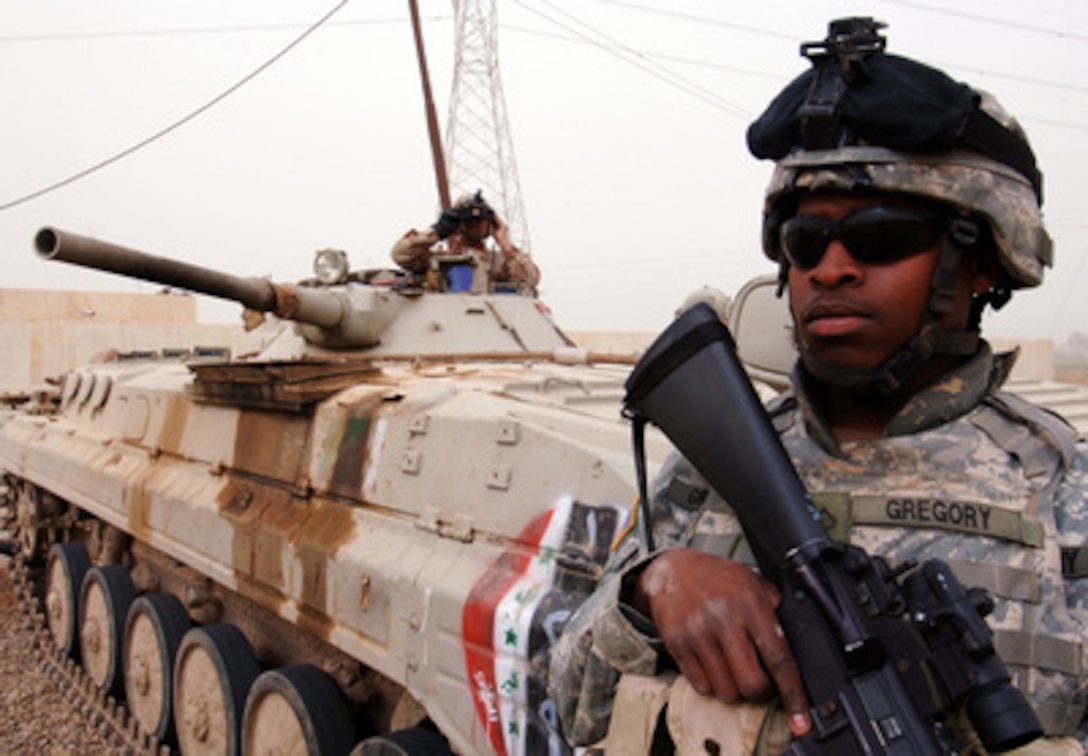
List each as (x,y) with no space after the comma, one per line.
(35,718)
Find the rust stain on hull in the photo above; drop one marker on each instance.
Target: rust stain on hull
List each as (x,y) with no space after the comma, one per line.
(275,529)
(271,444)
(258,540)
(275,525)
(268,450)
(329,527)
(137,503)
(175,419)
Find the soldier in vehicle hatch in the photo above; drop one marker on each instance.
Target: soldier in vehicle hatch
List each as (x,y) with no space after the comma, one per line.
(468,249)
(902,203)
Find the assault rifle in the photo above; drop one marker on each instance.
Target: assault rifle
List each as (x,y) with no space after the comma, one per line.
(886,655)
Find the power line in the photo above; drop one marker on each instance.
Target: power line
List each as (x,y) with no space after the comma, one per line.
(1018,26)
(1016,77)
(707,21)
(615,49)
(641,59)
(945,11)
(646,53)
(703,20)
(176,124)
(637,59)
(196,30)
(620,49)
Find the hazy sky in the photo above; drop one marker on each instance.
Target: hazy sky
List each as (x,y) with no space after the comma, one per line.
(627,118)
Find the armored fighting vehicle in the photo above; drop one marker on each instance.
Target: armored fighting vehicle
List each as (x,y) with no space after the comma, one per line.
(367,533)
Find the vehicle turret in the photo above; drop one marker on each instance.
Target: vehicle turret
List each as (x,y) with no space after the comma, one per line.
(383,312)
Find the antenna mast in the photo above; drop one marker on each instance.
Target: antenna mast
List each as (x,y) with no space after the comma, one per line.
(432,118)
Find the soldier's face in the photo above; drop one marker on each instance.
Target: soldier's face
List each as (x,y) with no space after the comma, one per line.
(476,229)
(858,314)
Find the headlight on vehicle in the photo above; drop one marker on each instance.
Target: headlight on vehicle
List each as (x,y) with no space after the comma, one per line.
(331,266)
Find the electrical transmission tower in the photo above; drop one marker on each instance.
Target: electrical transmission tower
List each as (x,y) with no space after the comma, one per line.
(479,150)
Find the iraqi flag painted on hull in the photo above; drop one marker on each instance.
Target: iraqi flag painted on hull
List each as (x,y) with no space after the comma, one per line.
(514,613)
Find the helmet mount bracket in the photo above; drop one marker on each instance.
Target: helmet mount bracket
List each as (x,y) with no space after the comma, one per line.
(839,61)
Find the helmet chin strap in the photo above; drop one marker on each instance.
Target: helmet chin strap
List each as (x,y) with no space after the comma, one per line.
(931,340)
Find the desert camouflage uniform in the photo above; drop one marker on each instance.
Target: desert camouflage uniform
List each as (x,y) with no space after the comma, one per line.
(966,473)
(414,250)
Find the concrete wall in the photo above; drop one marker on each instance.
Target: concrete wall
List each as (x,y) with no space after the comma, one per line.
(35,305)
(1036,360)
(46,333)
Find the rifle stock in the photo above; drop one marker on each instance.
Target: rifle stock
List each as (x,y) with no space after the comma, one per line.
(877,681)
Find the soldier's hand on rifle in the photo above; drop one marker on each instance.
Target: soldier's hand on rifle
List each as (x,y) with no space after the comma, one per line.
(717,620)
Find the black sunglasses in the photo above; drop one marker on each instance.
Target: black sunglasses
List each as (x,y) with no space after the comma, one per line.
(873,235)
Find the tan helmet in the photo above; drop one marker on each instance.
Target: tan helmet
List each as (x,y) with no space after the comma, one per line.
(981,164)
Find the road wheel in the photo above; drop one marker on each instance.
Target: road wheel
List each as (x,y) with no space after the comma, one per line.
(68,564)
(298,709)
(105,599)
(414,741)
(153,631)
(213,672)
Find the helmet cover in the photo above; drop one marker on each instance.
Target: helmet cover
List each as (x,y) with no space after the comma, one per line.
(864,120)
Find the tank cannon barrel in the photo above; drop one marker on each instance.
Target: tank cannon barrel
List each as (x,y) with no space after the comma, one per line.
(320,308)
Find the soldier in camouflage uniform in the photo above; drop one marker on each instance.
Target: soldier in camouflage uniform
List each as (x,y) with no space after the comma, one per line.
(471,229)
(901,204)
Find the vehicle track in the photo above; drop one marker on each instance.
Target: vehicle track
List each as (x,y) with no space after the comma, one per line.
(105,724)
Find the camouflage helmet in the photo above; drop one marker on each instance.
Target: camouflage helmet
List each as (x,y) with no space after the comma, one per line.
(863,120)
(475,206)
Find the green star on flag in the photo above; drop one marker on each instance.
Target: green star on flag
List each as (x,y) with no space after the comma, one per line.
(510,684)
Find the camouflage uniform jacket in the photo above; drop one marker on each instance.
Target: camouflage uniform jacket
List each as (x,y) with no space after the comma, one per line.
(413,252)
(996,487)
